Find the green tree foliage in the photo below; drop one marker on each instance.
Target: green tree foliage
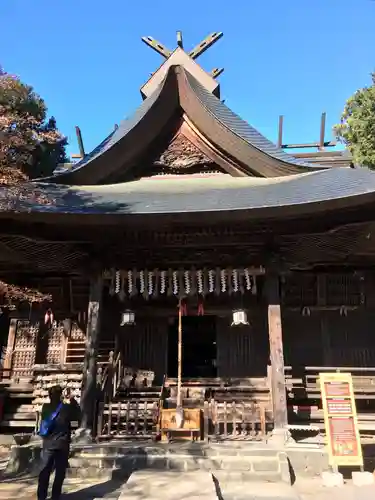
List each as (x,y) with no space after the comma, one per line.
(30,145)
(357,126)
(48,155)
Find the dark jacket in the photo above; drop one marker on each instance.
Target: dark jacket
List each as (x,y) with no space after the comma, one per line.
(61,428)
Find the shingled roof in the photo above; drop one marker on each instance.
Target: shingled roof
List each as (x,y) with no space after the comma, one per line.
(288,196)
(264,181)
(181,94)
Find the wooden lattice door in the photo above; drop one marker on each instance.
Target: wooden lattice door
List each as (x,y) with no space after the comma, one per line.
(22,345)
(56,345)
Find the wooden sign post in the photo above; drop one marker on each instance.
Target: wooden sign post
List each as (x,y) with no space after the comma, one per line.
(340,418)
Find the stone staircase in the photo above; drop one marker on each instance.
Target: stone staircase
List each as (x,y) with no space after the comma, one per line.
(18,410)
(225,461)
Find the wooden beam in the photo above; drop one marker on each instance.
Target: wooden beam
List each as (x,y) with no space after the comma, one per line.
(80,142)
(278,385)
(205,44)
(179,356)
(322,131)
(321,145)
(88,395)
(216,72)
(280,133)
(10,346)
(180,42)
(157,46)
(328,144)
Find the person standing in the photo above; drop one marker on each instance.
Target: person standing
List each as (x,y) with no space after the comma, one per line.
(55,430)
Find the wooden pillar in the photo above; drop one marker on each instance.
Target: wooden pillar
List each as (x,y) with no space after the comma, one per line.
(321,280)
(280,410)
(10,346)
(179,356)
(88,395)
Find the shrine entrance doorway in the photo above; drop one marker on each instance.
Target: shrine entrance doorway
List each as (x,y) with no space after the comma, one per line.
(198,347)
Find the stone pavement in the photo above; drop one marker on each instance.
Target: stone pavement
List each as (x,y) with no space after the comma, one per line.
(74,489)
(167,485)
(254,490)
(312,489)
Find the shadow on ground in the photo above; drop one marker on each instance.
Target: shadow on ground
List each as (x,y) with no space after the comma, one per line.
(110,488)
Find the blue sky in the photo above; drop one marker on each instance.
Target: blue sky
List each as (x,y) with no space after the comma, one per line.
(296,58)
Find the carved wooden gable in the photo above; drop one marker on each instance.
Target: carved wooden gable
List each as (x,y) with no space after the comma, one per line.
(182,157)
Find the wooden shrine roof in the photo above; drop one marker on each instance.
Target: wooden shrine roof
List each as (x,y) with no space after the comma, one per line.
(251,198)
(262,182)
(181,94)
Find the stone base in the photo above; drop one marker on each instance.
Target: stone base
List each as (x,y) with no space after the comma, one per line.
(82,436)
(362,478)
(23,460)
(280,438)
(114,459)
(332,479)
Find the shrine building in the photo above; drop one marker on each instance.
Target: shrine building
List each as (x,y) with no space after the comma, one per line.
(192,264)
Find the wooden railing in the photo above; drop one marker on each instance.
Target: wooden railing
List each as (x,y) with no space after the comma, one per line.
(305,381)
(304,395)
(108,381)
(136,418)
(109,378)
(235,420)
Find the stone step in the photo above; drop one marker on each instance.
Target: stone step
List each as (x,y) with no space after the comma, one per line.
(252,464)
(117,461)
(20,415)
(18,423)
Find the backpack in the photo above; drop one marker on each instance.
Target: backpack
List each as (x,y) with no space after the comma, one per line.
(46,424)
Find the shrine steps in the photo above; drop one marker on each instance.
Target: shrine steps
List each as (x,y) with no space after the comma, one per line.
(246,461)
(18,411)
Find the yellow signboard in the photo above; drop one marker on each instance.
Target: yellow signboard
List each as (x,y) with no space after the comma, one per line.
(191,419)
(190,424)
(340,418)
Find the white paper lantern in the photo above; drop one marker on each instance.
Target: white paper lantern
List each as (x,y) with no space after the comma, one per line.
(239,318)
(127,318)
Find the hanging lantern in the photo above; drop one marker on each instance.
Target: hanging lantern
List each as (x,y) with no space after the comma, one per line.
(127,318)
(343,311)
(239,318)
(306,311)
(48,317)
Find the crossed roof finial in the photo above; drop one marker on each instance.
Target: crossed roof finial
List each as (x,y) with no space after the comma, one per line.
(198,50)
